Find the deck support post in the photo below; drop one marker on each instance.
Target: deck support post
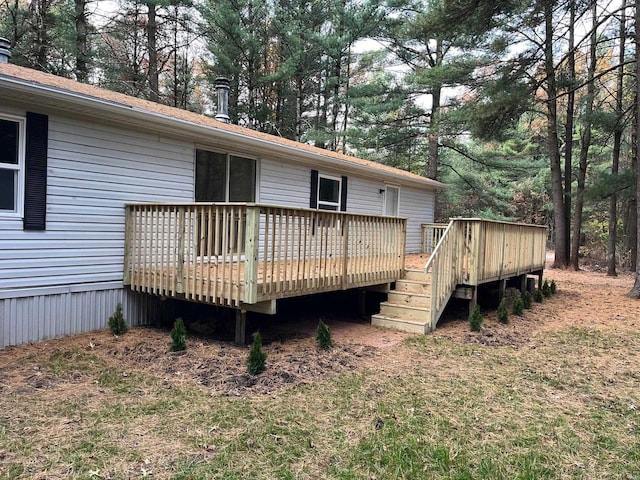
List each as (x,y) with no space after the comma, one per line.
(502,287)
(473,301)
(522,280)
(241,327)
(540,274)
(362,302)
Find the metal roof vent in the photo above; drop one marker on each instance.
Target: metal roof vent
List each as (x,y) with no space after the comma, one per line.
(5,53)
(222,89)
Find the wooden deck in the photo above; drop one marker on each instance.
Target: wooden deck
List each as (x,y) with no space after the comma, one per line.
(238,255)
(246,256)
(473,251)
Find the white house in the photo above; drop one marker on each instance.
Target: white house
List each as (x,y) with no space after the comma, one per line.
(72,155)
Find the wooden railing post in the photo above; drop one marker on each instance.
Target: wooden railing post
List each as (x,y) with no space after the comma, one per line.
(128,237)
(476,248)
(251,251)
(180,250)
(345,257)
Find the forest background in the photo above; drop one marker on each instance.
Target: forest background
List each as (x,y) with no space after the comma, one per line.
(528,110)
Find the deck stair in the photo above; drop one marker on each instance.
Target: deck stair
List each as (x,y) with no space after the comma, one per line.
(408,306)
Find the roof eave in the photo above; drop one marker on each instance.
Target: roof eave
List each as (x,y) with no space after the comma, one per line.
(127,114)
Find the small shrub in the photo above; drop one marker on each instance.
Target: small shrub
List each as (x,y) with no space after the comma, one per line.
(526,300)
(553,287)
(323,336)
(518,307)
(117,323)
(257,357)
(178,336)
(546,289)
(537,295)
(475,319)
(503,315)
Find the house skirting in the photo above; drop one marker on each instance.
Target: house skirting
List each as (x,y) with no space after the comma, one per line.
(54,312)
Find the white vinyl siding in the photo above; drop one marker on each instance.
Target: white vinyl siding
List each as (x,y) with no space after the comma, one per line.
(93,170)
(283,183)
(289,184)
(416,206)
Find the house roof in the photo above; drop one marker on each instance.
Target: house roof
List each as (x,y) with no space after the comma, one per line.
(68,91)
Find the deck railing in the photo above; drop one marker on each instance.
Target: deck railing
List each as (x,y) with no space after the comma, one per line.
(431,235)
(228,254)
(474,251)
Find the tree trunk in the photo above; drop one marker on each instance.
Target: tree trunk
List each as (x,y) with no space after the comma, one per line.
(82,45)
(568,152)
(560,226)
(615,161)
(585,144)
(635,290)
(434,129)
(152,35)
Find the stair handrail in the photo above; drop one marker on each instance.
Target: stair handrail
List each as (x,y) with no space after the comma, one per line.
(443,279)
(436,250)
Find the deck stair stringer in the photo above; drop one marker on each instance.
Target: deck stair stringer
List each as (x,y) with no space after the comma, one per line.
(408,306)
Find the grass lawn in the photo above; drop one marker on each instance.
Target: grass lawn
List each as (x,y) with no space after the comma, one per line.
(561,403)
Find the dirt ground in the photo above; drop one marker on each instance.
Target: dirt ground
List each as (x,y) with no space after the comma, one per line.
(585,299)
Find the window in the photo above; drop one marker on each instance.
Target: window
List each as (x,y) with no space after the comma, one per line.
(329,193)
(221,177)
(391,201)
(11,165)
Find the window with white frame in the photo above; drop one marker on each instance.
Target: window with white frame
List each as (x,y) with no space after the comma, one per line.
(391,201)
(329,192)
(11,164)
(222,177)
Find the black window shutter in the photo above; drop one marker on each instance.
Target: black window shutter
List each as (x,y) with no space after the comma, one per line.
(35,195)
(343,195)
(313,198)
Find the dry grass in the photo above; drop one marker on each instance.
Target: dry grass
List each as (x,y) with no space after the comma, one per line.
(554,394)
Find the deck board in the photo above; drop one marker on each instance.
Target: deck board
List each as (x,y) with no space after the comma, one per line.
(276,279)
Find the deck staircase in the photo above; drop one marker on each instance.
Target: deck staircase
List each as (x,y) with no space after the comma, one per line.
(408,306)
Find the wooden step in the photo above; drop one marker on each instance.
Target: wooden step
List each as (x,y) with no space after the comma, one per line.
(417,275)
(405,312)
(407,298)
(413,286)
(399,324)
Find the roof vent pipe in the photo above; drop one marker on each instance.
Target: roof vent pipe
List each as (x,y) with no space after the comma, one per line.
(222,89)
(5,53)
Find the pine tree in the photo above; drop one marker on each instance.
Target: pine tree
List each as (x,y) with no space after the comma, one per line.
(257,357)
(503,315)
(323,336)
(178,336)
(475,319)
(117,323)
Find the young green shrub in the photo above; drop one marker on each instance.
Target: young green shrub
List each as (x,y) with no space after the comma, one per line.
(546,289)
(503,315)
(526,300)
(117,323)
(518,307)
(553,287)
(323,336)
(475,319)
(178,336)
(537,295)
(257,357)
